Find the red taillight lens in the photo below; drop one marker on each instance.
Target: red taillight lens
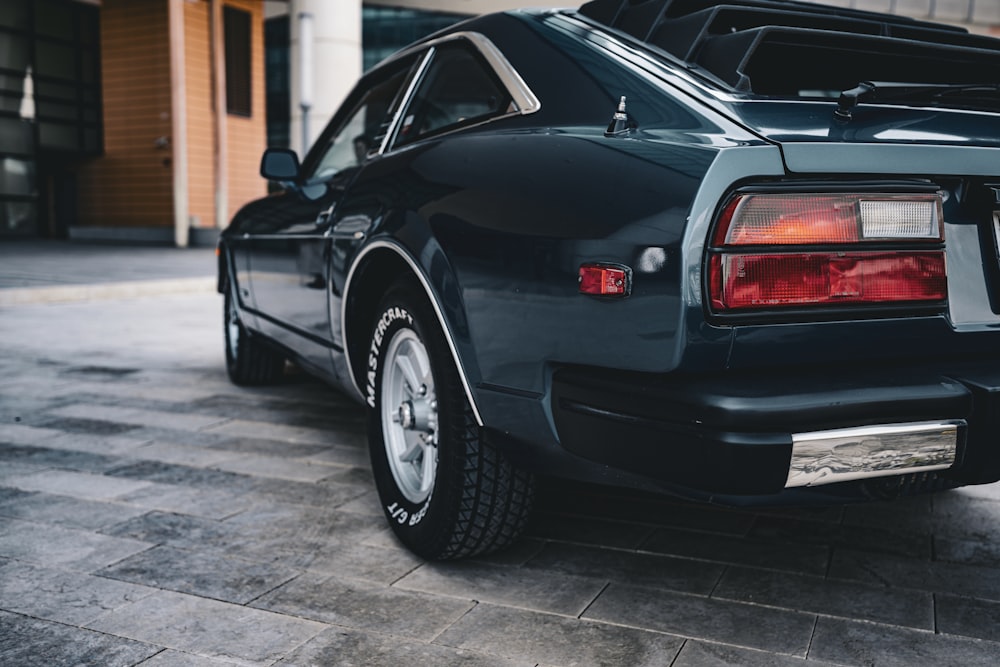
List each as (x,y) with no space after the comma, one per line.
(805,279)
(604,280)
(792,251)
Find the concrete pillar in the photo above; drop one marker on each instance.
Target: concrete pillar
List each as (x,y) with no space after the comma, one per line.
(336,66)
(178,119)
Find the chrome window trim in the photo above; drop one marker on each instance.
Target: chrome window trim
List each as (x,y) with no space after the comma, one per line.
(438,312)
(524,99)
(411,88)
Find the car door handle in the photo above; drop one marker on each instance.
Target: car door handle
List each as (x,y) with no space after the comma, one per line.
(354,227)
(324,216)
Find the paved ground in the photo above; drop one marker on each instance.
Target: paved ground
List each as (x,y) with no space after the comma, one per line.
(152,513)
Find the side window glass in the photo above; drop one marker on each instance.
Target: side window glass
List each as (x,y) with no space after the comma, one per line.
(361,131)
(458,89)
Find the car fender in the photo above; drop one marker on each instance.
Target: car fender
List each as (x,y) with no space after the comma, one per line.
(433,283)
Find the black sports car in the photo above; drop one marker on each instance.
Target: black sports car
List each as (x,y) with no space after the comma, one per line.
(742,252)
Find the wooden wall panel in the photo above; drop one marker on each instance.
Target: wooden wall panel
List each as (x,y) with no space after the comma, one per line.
(247,137)
(200,113)
(131,184)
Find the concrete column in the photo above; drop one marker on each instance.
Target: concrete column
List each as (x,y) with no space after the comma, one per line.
(178,119)
(221,144)
(336,53)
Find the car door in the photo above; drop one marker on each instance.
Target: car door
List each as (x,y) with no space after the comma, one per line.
(290,266)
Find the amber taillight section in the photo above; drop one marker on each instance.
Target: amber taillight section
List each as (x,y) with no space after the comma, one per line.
(772,251)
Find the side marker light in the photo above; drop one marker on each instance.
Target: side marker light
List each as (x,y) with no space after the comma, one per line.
(605,280)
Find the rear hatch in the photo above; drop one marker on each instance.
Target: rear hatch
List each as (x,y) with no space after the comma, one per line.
(853,98)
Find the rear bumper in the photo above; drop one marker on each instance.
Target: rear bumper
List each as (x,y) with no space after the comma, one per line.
(763,434)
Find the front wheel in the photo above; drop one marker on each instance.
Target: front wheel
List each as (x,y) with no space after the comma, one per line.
(446,490)
(248,361)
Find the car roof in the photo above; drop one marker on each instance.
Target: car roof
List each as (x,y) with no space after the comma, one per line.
(782,47)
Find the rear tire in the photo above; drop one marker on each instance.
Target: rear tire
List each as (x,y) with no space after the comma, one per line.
(248,360)
(446,490)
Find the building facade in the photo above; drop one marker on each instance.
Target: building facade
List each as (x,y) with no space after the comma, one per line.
(138,120)
(144,120)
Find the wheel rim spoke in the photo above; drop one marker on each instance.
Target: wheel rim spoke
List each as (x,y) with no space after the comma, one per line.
(412,454)
(405,364)
(233,331)
(408,408)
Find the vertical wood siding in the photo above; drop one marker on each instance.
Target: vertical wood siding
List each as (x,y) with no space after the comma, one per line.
(130,185)
(200,113)
(247,137)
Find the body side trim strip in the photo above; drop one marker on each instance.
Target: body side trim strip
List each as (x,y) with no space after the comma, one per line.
(425,284)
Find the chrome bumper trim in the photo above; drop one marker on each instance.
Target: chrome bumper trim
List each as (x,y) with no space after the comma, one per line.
(840,455)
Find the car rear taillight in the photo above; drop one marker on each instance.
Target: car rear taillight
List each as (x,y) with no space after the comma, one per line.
(773,251)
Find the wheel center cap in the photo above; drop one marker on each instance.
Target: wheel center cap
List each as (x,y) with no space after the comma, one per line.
(415,415)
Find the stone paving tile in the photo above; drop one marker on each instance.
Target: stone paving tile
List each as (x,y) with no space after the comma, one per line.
(202,572)
(13,496)
(170,498)
(66,597)
(338,646)
(968,617)
(676,574)
(181,530)
(20,434)
(882,539)
(517,587)
(12,470)
(208,627)
(166,434)
(80,425)
(29,642)
(555,640)
(139,417)
(816,595)
(77,484)
(705,654)
(181,454)
(279,468)
(751,626)
(965,516)
(115,445)
(352,560)
(935,576)
(328,494)
(296,536)
(516,555)
(170,658)
(57,458)
(271,431)
(365,606)
(775,554)
(146,388)
(566,497)
(588,530)
(981,550)
(172,473)
(152,406)
(343,455)
(56,546)
(65,510)
(857,643)
(336,411)
(366,504)
(265,447)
